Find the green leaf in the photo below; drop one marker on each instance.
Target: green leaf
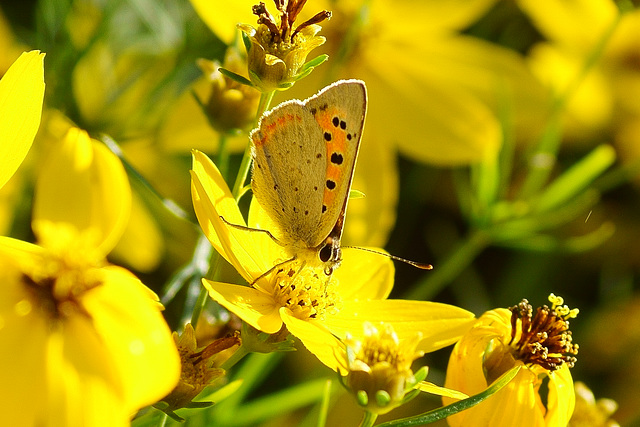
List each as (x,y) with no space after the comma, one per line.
(356,194)
(236,77)
(246,40)
(454,408)
(314,62)
(576,179)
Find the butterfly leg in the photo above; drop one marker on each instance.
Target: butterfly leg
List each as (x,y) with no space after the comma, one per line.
(266,273)
(245,228)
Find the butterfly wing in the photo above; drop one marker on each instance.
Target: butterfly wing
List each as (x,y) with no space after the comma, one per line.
(340,111)
(304,157)
(288,167)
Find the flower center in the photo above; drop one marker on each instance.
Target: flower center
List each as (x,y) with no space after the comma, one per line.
(543,339)
(281,30)
(307,292)
(56,289)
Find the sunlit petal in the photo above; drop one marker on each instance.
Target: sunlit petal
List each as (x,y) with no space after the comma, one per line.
(83,184)
(254,307)
(132,328)
(21,94)
(440,324)
(211,200)
(317,339)
(365,275)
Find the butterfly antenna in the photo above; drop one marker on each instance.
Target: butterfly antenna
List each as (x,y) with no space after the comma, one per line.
(420,265)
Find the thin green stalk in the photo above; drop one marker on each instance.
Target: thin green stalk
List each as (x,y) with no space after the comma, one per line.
(455,263)
(368,419)
(235,358)
(243,172)
(222,159)
(245,165)
(324,404)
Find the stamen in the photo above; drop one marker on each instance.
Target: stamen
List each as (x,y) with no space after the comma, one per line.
(308,294)
(543,339)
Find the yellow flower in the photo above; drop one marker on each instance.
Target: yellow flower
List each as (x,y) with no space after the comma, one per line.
(434,92)
(559,62)
(85,341)
(378,370)
(316,308)
(502,339)
(21,94)
(278,51)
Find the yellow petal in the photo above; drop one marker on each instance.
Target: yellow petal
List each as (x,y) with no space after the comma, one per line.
(212,199)
(364,275)
(254,307)
(424,118)
(21,94)
(25,398)
(222,17)
(440,324)
(142,244)
(131,327)
(561,400)
(83,184)
(577,25)
(317,339)
(258,219)
(83,384)
(414,18)
(370,219)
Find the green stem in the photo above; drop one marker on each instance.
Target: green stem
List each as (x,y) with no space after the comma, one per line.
(444,274)
(235,358)
(245,165)
(204,251)
(222,159)
(368,419)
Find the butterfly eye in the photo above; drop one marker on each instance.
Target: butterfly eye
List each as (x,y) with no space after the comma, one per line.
(326,252)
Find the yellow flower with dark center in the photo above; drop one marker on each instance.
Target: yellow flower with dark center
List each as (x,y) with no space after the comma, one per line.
(316,308)
(85,341)
(279,50)
(502,339)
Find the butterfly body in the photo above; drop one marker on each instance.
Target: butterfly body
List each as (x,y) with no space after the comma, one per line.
(304,156)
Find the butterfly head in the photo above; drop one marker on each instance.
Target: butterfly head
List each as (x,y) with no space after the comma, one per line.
(330,254)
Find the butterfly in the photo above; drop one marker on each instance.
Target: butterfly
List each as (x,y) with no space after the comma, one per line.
(304,156)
